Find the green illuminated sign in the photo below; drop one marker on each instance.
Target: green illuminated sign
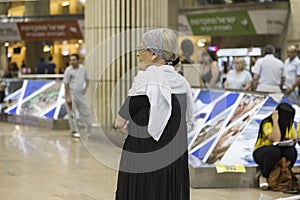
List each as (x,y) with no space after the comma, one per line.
(227,23)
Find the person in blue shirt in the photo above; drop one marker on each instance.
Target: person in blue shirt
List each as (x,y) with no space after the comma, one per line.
(51,66)
(41,67)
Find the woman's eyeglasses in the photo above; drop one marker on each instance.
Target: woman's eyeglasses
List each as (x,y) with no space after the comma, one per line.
(141,48)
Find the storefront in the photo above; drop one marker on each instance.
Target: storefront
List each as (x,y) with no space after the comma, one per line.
(30,30)
(27,42)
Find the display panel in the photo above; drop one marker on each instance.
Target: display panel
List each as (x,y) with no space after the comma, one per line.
(227,129)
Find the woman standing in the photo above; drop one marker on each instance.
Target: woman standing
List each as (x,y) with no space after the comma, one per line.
(2,90)
(277,127)
(209,70)
(239,78)
(156,113)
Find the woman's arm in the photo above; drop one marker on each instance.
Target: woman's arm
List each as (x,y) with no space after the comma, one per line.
(275,135)
(2,85)
(201,82)
(255,81)
(226,84)
(215,74)
(121,123)
(248,86)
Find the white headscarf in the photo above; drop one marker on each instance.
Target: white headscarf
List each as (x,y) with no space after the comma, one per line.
(158,83)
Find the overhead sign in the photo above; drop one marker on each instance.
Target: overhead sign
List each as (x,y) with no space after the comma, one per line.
(41,30)
(50,30)
(249,22)
(268,21)
(9,32)
(227,23)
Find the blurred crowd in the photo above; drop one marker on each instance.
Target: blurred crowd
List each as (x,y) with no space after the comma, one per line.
(266,74)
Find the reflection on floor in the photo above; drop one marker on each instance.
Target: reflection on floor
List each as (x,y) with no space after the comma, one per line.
(40,164)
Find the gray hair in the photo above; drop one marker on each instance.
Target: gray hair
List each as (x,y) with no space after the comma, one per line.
(269,49)
(162,42)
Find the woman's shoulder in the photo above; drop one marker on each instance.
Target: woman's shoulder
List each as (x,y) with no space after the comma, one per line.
(231,72)
(214,63)
(246,72)
(143,76)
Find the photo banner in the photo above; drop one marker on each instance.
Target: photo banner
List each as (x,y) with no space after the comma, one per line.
(9,32)
(38,98)
(228,136)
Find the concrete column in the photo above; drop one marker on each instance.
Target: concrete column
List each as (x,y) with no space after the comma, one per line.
(76,7)
(3,8)
(37,7)
(293,31)
(34,50)
(3,58)
(103,19)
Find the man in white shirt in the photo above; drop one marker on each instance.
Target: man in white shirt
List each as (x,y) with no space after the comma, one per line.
(269,73)
(292,71)
(76,82)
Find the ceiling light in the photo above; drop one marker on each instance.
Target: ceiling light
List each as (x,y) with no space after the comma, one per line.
(201,43)
(65,3)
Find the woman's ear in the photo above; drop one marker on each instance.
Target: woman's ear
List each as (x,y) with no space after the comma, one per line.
(154,56)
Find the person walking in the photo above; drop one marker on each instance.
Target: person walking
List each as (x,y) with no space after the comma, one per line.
(292,74)
(268,72)
(76,83)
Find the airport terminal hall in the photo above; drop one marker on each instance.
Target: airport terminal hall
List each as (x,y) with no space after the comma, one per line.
(149,99)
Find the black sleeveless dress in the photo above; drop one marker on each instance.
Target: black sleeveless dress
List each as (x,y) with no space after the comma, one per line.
(149,169)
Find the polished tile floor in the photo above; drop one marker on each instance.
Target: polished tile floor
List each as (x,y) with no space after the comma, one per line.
(41,164)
